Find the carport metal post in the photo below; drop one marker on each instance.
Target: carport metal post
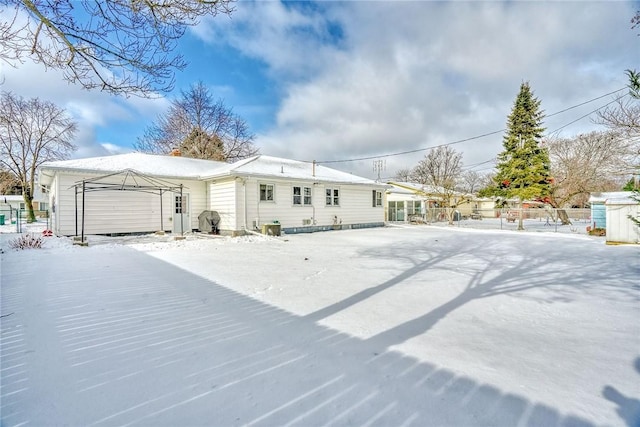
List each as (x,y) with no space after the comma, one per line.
(83,188)
(181,212)
(76,189)
(161,223)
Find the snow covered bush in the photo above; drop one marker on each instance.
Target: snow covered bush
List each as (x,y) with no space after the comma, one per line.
(26,241)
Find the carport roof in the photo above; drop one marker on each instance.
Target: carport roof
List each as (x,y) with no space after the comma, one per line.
(148,164)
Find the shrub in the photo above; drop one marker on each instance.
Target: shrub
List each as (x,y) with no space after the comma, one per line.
(597,231)
(26,241)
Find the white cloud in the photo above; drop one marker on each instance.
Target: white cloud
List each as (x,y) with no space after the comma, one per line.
(406,75)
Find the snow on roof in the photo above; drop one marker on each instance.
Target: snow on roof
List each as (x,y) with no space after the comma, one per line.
(148,164)
(413,187)
(6,198)
(184,167)
(624,200)
(276,167)
(603,197)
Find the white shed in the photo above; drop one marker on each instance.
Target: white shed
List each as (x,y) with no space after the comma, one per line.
(620,229)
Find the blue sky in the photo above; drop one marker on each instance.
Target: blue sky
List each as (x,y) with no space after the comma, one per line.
(343,80)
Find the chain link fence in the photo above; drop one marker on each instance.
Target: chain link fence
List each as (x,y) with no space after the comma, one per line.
(533,219)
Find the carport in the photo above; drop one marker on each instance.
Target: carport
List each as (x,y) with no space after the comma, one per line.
(131,181)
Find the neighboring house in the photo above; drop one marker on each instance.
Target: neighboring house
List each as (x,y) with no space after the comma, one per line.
(408,200)
(169,193)
(12,203)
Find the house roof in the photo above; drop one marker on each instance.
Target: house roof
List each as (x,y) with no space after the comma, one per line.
(184,167)
(279,168)
(414,187)
(603,197)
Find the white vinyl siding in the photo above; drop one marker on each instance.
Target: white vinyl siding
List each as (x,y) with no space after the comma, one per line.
(354,205)
(109,212)
(223,198)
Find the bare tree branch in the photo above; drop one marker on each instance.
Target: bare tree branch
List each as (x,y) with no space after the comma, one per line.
(596,161)
(200,127)
(119,46)
(32,132)
(440,169)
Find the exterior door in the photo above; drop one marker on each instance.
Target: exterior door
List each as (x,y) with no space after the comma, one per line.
(181,217)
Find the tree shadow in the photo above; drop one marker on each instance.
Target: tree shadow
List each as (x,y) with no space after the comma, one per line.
(488,272)
(628,407)
(147,343)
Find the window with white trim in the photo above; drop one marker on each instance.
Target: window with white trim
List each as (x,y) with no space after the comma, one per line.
(332,196)
(44,206)
(267,192)
(414,207)
(301,195)
(376,200)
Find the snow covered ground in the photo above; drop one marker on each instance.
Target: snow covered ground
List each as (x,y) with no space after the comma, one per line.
(413,325)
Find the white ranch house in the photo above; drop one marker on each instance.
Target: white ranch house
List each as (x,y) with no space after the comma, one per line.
(168,193)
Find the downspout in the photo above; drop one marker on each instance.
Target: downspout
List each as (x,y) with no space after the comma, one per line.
(76,191)
(181,212)
(244,196)
(161,220)
(83,193)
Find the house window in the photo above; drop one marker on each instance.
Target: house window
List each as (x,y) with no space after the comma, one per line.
(376,198)
(44,206)
(414,208)
(181,206)
(307,195)
(301,195)
(22,206)
(266,192)
(332,196)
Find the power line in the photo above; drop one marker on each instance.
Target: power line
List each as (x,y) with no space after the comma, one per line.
(586,102)
(493,159)
(412,151)
(586,115)
(401,153)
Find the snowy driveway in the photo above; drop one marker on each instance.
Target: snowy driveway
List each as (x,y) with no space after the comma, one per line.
(397,326)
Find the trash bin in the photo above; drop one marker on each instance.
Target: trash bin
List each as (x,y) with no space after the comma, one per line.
(1,219)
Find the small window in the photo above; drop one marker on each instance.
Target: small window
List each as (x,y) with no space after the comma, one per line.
(22,206)
(181,204)
(376,198)
(44,206)
(332,196)
(266,192)
(307,195)
(301,195)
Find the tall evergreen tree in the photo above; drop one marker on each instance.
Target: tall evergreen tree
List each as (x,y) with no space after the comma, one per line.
(634,91)
(523,166)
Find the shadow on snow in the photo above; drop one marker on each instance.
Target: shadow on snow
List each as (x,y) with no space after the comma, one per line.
(157,345)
